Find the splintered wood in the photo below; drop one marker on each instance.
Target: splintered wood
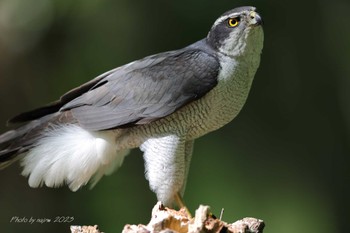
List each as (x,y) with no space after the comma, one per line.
(85,229)
(165,220)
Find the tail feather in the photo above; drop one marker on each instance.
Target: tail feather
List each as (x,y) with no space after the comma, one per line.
(55,154)
(12,144)
(7,157)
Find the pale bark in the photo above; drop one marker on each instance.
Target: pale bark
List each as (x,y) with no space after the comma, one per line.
(166,220)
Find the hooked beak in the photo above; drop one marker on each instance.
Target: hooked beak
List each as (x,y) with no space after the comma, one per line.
(255,19)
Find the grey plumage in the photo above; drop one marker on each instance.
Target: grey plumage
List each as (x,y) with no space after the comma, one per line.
(126,96)
(160,103)
(146,90)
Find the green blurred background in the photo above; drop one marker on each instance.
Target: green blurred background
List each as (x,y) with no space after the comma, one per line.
(284,159)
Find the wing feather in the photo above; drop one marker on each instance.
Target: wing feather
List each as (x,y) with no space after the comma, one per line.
(137,93)
(140,94)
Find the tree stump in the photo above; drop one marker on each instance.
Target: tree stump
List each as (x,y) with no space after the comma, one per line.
(166,220)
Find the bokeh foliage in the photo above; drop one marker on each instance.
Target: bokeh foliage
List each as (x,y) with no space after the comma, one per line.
(284,159)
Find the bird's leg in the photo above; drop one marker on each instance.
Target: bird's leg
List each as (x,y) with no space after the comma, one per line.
(181,204)
(178,196)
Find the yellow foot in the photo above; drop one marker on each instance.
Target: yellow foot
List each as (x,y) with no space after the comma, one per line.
(180,202)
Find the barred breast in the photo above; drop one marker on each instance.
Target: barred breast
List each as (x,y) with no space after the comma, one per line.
(211,112)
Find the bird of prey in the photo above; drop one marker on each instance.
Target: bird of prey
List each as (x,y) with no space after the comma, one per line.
(160,103)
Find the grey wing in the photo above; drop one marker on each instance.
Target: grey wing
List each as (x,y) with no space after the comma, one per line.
(56,106)
(146,90)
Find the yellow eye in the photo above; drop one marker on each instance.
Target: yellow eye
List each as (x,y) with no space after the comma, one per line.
(233,22)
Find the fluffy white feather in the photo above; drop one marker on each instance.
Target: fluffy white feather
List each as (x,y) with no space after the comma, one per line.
(165,165)
(70,154)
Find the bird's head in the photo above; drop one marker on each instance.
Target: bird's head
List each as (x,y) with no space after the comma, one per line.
(237,32)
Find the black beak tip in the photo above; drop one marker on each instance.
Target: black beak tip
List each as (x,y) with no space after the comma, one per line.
(259,20)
